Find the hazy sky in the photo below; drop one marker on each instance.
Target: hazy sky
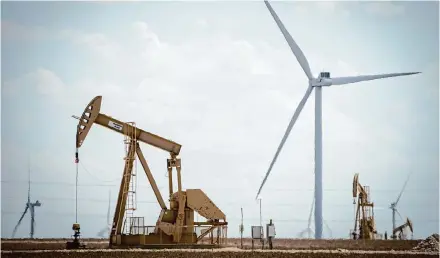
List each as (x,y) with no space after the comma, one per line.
(219,78)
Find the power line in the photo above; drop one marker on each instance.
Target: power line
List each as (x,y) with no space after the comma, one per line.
(73,198)
(90,174)
(223,188)
(72,214)
(66,183)
(284,204)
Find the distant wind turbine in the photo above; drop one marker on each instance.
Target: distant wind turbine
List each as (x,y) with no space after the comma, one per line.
(393,207)
(105,232)
(29,206)
(323,80)
(309,231)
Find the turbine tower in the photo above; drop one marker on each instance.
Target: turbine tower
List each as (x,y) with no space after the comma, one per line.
(393,207)
(323,80)
(29,206)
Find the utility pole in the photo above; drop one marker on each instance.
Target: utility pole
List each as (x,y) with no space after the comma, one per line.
(261,220)
(261,226)
(241,229)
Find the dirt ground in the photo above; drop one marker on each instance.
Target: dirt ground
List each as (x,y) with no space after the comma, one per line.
(295,248)
(308,244)
(280,244)
(229,252)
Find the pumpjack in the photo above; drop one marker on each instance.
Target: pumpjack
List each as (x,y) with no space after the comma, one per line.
(364,225)
(398,232)
(175,224)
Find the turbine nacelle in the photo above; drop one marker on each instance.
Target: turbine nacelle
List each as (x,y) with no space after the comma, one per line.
(323,79)
(321,82)
(393,205)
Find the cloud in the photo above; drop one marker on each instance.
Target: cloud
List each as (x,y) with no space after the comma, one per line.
(227,100)
(96,42)
(146,33)
(225,91)
(333,7)
(43,81)
(14,31)
(384,8)
(202,23)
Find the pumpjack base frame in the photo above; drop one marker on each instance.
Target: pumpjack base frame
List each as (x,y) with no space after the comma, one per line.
(154,241)
(75,245)
(168,246)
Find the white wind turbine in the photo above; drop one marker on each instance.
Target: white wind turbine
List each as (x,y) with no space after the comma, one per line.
(393,207)
(323,80)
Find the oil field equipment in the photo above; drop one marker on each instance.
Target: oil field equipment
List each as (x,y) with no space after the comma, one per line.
(175,225)
(76,242)
(398,232)
(270,232)
(393,207)
(257,234)
(364,225)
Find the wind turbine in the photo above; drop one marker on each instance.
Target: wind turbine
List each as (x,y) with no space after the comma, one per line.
(29,206)
(323,80)
(393,207)
(105,232)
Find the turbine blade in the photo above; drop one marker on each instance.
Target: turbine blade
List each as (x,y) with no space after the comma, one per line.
(311,211)
(361,78)
(286,134)
(398,213)
(329,229)
(403,188)
(19,221)
(293,46)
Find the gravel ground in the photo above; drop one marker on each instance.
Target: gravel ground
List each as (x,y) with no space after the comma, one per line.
(280,244)
(308,244)
(338,248)
(430,244)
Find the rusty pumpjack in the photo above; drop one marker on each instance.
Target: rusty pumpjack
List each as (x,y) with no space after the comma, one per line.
(399,231)
(175,224)
(364,225)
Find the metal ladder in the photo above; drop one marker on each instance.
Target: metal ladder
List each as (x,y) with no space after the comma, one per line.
(368,208)
(130,207)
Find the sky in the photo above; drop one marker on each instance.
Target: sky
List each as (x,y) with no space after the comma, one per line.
(219,79)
